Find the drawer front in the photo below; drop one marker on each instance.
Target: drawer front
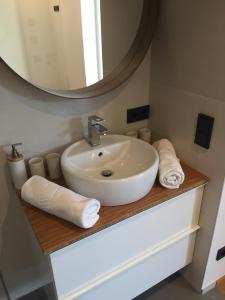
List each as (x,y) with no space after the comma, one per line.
(82,262)
(137,279)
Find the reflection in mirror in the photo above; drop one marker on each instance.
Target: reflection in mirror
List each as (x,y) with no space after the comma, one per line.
(67,44)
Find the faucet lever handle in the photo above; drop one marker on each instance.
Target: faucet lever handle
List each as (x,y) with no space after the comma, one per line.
(95,119)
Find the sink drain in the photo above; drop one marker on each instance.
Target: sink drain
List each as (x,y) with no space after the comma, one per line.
(107,173)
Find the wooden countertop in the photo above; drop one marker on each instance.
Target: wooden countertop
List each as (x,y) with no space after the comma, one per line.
(54,233)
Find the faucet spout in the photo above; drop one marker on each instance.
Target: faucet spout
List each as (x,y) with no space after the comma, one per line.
(95,130)
(101,129)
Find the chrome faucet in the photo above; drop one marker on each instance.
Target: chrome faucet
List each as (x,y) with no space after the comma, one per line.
(95,130)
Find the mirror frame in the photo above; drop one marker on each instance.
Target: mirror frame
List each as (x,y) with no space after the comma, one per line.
(128,65)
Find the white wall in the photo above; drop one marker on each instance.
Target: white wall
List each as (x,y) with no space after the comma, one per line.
(43,123)
(216,269)
(120,22)
(39,43)
(72,43)
(10,27)
(187,77)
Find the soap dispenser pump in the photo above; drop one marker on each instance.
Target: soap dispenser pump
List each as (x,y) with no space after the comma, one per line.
(17,167)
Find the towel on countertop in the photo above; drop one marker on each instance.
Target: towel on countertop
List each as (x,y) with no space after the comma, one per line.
(171,174)
(60,201)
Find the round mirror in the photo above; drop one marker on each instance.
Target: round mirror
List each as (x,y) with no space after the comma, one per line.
(76,48)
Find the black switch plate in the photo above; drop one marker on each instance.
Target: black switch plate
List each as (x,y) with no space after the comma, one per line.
(204,130)
(138,114)
(220,253)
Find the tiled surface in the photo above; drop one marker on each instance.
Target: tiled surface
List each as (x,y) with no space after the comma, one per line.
(188,49)
(173,288)
(174,116)
(46,293)
(188,71)
(3,292)
(176,288)
(36,295)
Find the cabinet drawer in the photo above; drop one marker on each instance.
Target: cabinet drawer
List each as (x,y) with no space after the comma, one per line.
(137,279)
(83,262)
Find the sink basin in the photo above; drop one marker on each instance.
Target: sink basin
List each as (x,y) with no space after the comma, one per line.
(119,171)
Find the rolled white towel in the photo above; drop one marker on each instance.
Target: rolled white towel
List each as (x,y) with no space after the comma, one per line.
(61,202)
(171,174)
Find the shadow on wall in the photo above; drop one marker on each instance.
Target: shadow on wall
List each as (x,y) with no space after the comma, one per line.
(17,241)
(28,95)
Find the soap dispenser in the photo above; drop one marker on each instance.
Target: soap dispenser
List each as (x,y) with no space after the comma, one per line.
(17,167)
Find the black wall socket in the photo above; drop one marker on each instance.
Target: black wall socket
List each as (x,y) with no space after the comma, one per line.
(220,253)
(204,130)
(138,114)
(56,8)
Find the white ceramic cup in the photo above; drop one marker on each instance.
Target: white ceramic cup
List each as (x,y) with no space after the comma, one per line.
(36,165)
(53,163)
(145,134)
(132,133)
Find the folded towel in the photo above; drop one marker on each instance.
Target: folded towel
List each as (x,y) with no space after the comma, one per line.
(171,174)
(61,202)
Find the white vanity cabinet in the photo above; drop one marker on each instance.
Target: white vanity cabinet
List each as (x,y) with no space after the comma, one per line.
(127,258)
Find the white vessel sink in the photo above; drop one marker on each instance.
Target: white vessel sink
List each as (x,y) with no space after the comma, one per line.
(119,171)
